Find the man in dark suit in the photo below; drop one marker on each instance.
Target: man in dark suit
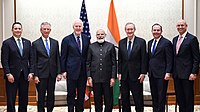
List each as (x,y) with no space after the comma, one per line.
(132,68)
(186,66)
(74,49)
(16,62)
(102,71)
(46,61)
(160,61)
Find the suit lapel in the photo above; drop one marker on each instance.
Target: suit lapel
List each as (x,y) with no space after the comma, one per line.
(149,47)
(183,42)
(134,46)
(24,46)
(175,42)
(124,46)
(42,46)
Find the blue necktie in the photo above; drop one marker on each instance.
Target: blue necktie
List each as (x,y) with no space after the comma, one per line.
(129,48)
(47,47)
(20,47)
(79,43)
(154,47)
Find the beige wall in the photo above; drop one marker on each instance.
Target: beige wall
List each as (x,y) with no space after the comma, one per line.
(198,19)
(97,15)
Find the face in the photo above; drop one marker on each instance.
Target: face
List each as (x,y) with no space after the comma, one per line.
(17,30)
(100,34)
(181,27)
(78,27)
(130,30)
(156,31)
(45,30)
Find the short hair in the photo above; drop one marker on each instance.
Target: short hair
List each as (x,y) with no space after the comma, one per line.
(131,24)
(155,25)
(45,23)
(78,20)
(15,24)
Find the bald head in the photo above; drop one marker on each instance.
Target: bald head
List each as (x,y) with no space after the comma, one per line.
(181,26)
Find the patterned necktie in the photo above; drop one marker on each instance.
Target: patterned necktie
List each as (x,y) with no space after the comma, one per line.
(154,47)
(47,47)
(178,44)
(79,43)
(129,48)
(20,47)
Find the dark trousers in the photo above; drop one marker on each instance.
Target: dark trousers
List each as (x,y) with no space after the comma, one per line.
(46,85)
(184,89)
(76,87)
(11,90)
(136,89)
(158,92)
(103,90)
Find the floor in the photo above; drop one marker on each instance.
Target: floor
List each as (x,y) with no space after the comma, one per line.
(64,109)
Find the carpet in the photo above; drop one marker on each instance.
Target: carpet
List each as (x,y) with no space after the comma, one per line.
(64,109)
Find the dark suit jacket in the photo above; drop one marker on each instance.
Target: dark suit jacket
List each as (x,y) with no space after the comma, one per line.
(137,63)
(43,64)
(162,60)
(11,59)
(101,62)
(187,59)
(72,60)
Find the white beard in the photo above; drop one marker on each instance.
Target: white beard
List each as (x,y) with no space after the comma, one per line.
(100,40)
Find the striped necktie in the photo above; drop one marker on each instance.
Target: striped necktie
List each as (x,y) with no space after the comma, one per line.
(47,47)
(20,47)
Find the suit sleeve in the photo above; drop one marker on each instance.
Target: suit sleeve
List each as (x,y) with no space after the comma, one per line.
(31,66)
(34,59)
(64,54)
(119,60)
(143,57)
(196,55)
(169,57)
(114,63)
(58,58)
(5,58)
(88,62)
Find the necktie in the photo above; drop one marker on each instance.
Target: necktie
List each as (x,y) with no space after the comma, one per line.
(47,47)
(20,47)
(79,43)
(154,47)
(129,48)
(178,44)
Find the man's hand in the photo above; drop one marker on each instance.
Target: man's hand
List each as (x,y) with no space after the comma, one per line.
(90,81)
(141,78)
(193,76)
(11,79)
(64,74)
(59,77)
(119,77)
(112,82)
(167,76)
(36,79)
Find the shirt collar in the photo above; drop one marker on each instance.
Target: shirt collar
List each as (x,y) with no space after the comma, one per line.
(45,38)
(16,39)
(76,36)
(157,40)
(131,39)
(184,35)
